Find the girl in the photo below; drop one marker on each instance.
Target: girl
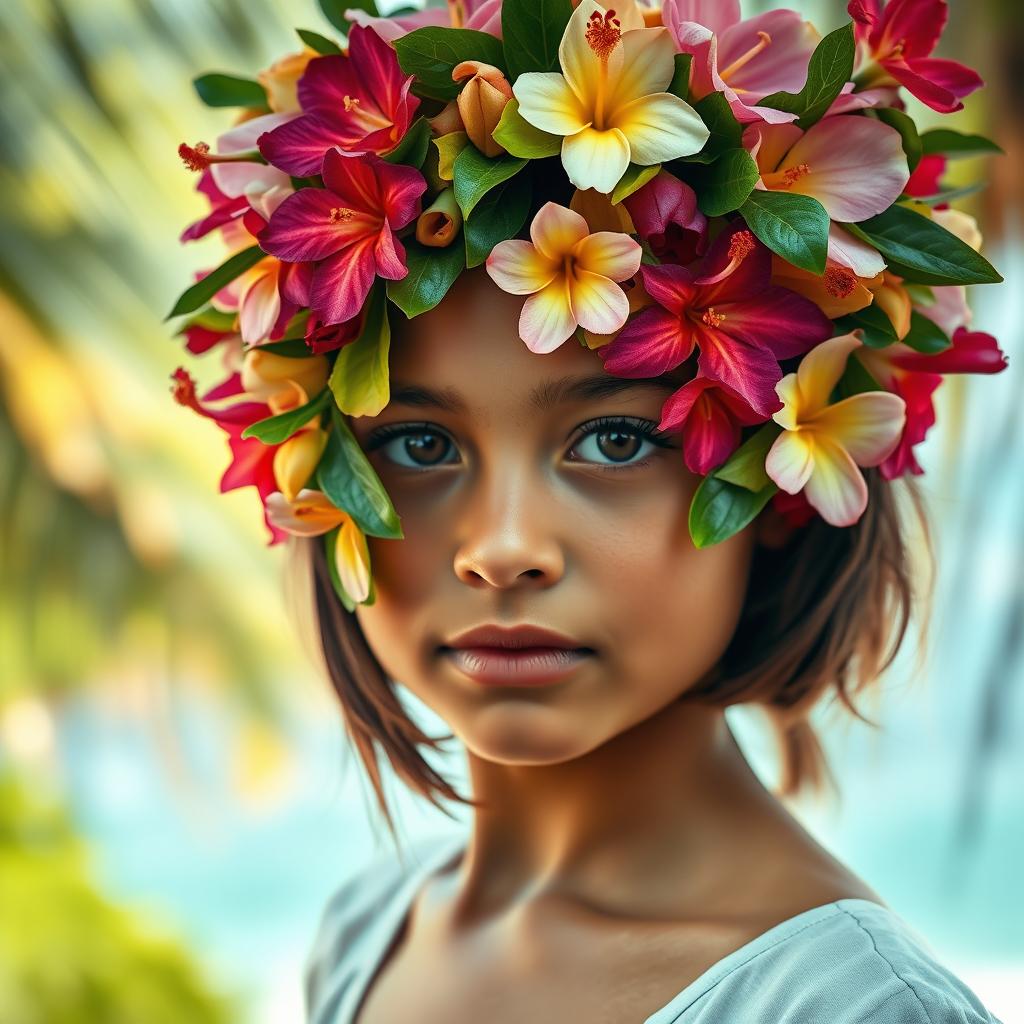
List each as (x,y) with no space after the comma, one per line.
(623,862)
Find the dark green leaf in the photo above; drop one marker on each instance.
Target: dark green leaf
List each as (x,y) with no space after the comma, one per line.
(412,149)
(431,53)
(351,483)
(432,272)
(950,194)
(830,69)
(204,290)
(726,131)
(334,11)
(320,43)
(289,348)
(217,90)
(635,177)
(856,380)
(680,84)
(923,252)
(745,467)
(954,144)
(498,216)
(532,30)
(476,175)
(876,328)
(792,225)
(277,429)
(724,186)
(908,133)
(925,335)
(721,509)
(521,138)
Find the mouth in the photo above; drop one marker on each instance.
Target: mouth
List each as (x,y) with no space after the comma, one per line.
(517,666)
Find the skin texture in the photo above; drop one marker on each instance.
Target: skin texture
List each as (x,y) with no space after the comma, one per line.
(606,799)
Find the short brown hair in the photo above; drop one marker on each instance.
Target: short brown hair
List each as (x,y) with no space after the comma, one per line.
(829,609)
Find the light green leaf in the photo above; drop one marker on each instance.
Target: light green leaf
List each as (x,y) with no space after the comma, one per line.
(721,509)
(412,148)
(925,335)
(432,271)
(724,186)
(475,175)
(521,138)
(955,144)
(634,178)
(359,379)
(745,467)
(321,44)
(277,429)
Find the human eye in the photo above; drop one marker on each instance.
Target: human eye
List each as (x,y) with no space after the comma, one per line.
(624,432)
(422,444)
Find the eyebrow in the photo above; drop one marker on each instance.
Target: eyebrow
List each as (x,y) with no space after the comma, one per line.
(543,397)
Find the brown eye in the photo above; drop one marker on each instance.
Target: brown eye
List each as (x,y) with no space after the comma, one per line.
(618,445)
(615,443)
(411,447)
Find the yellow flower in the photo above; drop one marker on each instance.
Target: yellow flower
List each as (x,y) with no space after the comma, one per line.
(609,102)
(283,382)
(296,458)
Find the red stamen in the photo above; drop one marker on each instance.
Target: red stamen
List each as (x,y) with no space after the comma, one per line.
(184,390)
(341,213)
(741,246)
(839,283)
(794,174)
(603,33)
(197,157)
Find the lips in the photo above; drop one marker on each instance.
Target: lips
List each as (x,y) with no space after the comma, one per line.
(505,638)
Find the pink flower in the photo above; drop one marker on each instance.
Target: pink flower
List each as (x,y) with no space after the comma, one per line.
(899,37)
(746,60)
(359,102)
(741,323)
(222,208)
(347,229)
(482,15)
(711,417)
(666,217)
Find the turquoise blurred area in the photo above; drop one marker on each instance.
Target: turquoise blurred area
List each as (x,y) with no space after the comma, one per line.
(177,795)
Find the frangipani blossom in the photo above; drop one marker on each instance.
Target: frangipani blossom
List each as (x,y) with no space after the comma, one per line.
(742,324)
(898,38)
(347,229)
(481,15)
(745,60)
(310,514)
(570,275)
(609,102)
(359,101)
(854,166)
(822,445)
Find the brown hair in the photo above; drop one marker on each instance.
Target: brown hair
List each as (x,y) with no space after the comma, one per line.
(829,609)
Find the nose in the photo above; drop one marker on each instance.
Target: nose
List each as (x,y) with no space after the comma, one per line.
(511,530)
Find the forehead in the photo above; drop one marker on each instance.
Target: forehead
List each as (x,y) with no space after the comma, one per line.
(466,357)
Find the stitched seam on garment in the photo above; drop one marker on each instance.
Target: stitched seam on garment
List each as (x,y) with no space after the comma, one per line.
(754,956)
(885,959)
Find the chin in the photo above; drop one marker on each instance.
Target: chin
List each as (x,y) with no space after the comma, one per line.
(514,734)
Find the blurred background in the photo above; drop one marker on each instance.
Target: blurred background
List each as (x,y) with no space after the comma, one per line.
(177,799)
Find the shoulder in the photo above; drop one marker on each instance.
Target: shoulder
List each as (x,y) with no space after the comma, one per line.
(359,913)
(851,961)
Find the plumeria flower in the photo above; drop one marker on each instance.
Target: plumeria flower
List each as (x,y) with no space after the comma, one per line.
(745,60)
(898,38)
(742,324)
(711,417)
(569,274)
(854,166)
(347,228)
(481,15)
(310,514)
(822,445)
(609,102)
(359,101)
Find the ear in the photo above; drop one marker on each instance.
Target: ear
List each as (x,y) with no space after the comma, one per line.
(771,529)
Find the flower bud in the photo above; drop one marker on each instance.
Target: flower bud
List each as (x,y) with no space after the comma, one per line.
(438,225)
(352,561)
(281,81)
(282,382)
(297,458)
(448,121)
(481,103)
(894,300)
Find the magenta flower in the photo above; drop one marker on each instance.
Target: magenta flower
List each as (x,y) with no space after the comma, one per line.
(742,324)
(360,102)
(482,15)
(666,217)
(347,229)
(899,37)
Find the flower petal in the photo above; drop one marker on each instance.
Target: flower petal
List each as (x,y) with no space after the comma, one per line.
(341,283)
(611,254)
(836,487)
(517,267)
(302,229)
(850,252)
(867,425)
(750,370)
(299,146)
(781,66)
(596,159)
(648,65)
(579,63)
(352,560)
(598,305)
(653,342)
(716,15)
(556,230)
(259,303)
(546,320)
(790,460)
(548,103)
(819,372)
(659,128)
(309,515)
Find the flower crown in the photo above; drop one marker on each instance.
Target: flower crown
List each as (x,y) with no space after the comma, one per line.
(664,185)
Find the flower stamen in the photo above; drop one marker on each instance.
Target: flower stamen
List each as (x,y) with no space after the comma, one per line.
(603,35)
(711,318)
(839,283)
(741,245)
(739,62)
(341,213)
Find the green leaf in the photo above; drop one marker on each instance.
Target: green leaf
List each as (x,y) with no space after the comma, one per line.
(876,328)
(830,68)
(289,348)
(204,290)
(635,177)
(680,84)
(908,133)
(277,429)
(431,53)
(476,175)
(320,43)
(498,216)
(432,271)
(925,335)
(923,252)
(334,11)
(532,30)
(724,186)
(745,467)
(950,194)
(955,144)
(856,380)
(721,509)
(448,149)
(726,131)
(412,148)
(359,379)
(792,225)
(217,90)
(210,318)
(521,138)
(351,483)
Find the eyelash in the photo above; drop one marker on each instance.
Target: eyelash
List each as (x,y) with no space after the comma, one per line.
(603,424)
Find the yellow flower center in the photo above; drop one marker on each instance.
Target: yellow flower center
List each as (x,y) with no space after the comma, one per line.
(711,318)
(369,119)
(341,213)
(787,177)
(603,34)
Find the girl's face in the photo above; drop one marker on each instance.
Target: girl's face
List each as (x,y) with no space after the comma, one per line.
(518,509)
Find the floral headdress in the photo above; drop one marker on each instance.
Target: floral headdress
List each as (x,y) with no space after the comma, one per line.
(664,185)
